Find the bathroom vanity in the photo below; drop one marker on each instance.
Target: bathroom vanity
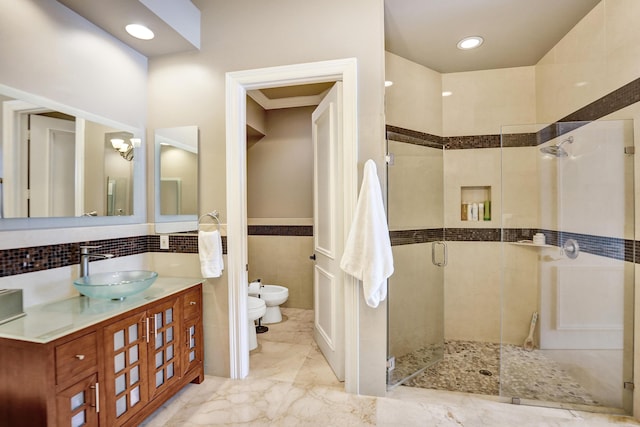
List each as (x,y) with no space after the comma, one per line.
(84,361)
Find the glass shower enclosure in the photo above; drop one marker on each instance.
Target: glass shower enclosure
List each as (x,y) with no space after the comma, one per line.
(535,306)
(416,224)
(578,276)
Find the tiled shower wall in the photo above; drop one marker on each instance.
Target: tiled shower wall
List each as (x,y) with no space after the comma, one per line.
(613,247)
(472,278)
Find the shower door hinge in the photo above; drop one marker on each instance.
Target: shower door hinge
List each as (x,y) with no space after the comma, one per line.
(246,267)
(630,149)
(628,385)
(391,363)
(389,158)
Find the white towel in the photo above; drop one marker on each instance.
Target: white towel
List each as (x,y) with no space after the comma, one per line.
(210,251)
(367,255)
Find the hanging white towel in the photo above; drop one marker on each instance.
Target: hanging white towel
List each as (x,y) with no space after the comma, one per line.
(210,251)
(367,255)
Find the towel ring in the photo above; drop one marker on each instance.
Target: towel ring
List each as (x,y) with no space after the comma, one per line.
(213,215)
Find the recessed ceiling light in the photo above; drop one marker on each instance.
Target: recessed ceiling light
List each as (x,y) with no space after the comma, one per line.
(447,93)
(388,83)
(470,42)
(139,31)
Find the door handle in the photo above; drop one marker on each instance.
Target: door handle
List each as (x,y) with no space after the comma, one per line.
(313,257)
(444,261)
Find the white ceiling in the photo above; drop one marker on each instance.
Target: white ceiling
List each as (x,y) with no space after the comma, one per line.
(516,32)
(113,15)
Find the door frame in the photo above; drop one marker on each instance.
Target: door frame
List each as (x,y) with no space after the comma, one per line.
(237,85)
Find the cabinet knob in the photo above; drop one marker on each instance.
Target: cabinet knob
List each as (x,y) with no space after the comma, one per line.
(80,356)
(192,303)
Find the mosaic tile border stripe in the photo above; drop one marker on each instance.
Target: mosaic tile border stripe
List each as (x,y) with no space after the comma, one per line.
(610,247)
(281,230)
(413,137)
(38,258)
(411,237)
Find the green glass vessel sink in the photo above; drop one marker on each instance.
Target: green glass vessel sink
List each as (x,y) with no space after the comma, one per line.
(116,285)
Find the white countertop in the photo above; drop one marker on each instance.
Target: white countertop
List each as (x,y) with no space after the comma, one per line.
(46,322)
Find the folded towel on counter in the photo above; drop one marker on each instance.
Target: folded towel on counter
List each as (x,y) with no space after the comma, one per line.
(210,252)
(367,255)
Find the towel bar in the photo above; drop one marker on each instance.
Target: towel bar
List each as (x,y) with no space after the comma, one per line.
(213,215)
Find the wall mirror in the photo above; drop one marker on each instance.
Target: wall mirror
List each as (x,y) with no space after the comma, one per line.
(176,179)
(64,167)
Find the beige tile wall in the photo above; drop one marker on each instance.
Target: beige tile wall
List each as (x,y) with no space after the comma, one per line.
(284,260)
(600,54)
(472,291)
(415,187)
(483,101)
(415,99)
(521,203)
(416,288)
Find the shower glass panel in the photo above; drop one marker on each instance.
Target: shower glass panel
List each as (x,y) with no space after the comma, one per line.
(572,183)
(416,297)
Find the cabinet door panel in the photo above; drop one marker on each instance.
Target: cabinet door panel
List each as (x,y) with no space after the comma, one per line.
(125,381)
(77,405)
(193,345)
(164,366)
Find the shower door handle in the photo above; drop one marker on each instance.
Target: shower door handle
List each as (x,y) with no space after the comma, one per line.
(445,256)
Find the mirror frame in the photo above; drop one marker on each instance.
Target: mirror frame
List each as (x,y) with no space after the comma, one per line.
(139,173)
(172,223)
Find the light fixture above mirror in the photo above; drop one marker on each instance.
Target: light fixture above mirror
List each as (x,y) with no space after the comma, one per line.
(124,148)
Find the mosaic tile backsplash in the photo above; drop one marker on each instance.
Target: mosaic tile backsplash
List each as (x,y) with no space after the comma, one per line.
(37,258)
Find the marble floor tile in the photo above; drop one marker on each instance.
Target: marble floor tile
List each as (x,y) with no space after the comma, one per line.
(296,328)
(290,384)
(316,371)
(277,360)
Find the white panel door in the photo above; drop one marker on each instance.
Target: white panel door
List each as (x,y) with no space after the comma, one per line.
(52,167)
(328,234)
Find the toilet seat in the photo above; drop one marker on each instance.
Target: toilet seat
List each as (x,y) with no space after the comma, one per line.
(256,308)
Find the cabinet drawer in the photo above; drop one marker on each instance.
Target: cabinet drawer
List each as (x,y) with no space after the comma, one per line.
(76,358)
(192,301)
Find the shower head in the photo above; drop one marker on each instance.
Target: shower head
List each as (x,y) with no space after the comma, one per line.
(557,150)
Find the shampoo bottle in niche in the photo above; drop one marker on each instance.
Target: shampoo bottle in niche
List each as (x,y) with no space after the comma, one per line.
(469,211)
(487,210)
(474,212)
(480,211)
(463,211)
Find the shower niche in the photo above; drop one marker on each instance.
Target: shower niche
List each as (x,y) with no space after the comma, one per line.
(475,203)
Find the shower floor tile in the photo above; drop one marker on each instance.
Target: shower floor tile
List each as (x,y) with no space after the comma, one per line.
(474,367)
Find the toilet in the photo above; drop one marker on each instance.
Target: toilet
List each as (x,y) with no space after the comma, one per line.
(273,296)
(257,308)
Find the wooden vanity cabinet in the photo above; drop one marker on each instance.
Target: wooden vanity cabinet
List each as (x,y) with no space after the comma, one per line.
(193,354)
(114,373)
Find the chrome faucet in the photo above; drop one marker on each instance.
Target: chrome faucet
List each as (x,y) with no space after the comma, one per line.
(84,258)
